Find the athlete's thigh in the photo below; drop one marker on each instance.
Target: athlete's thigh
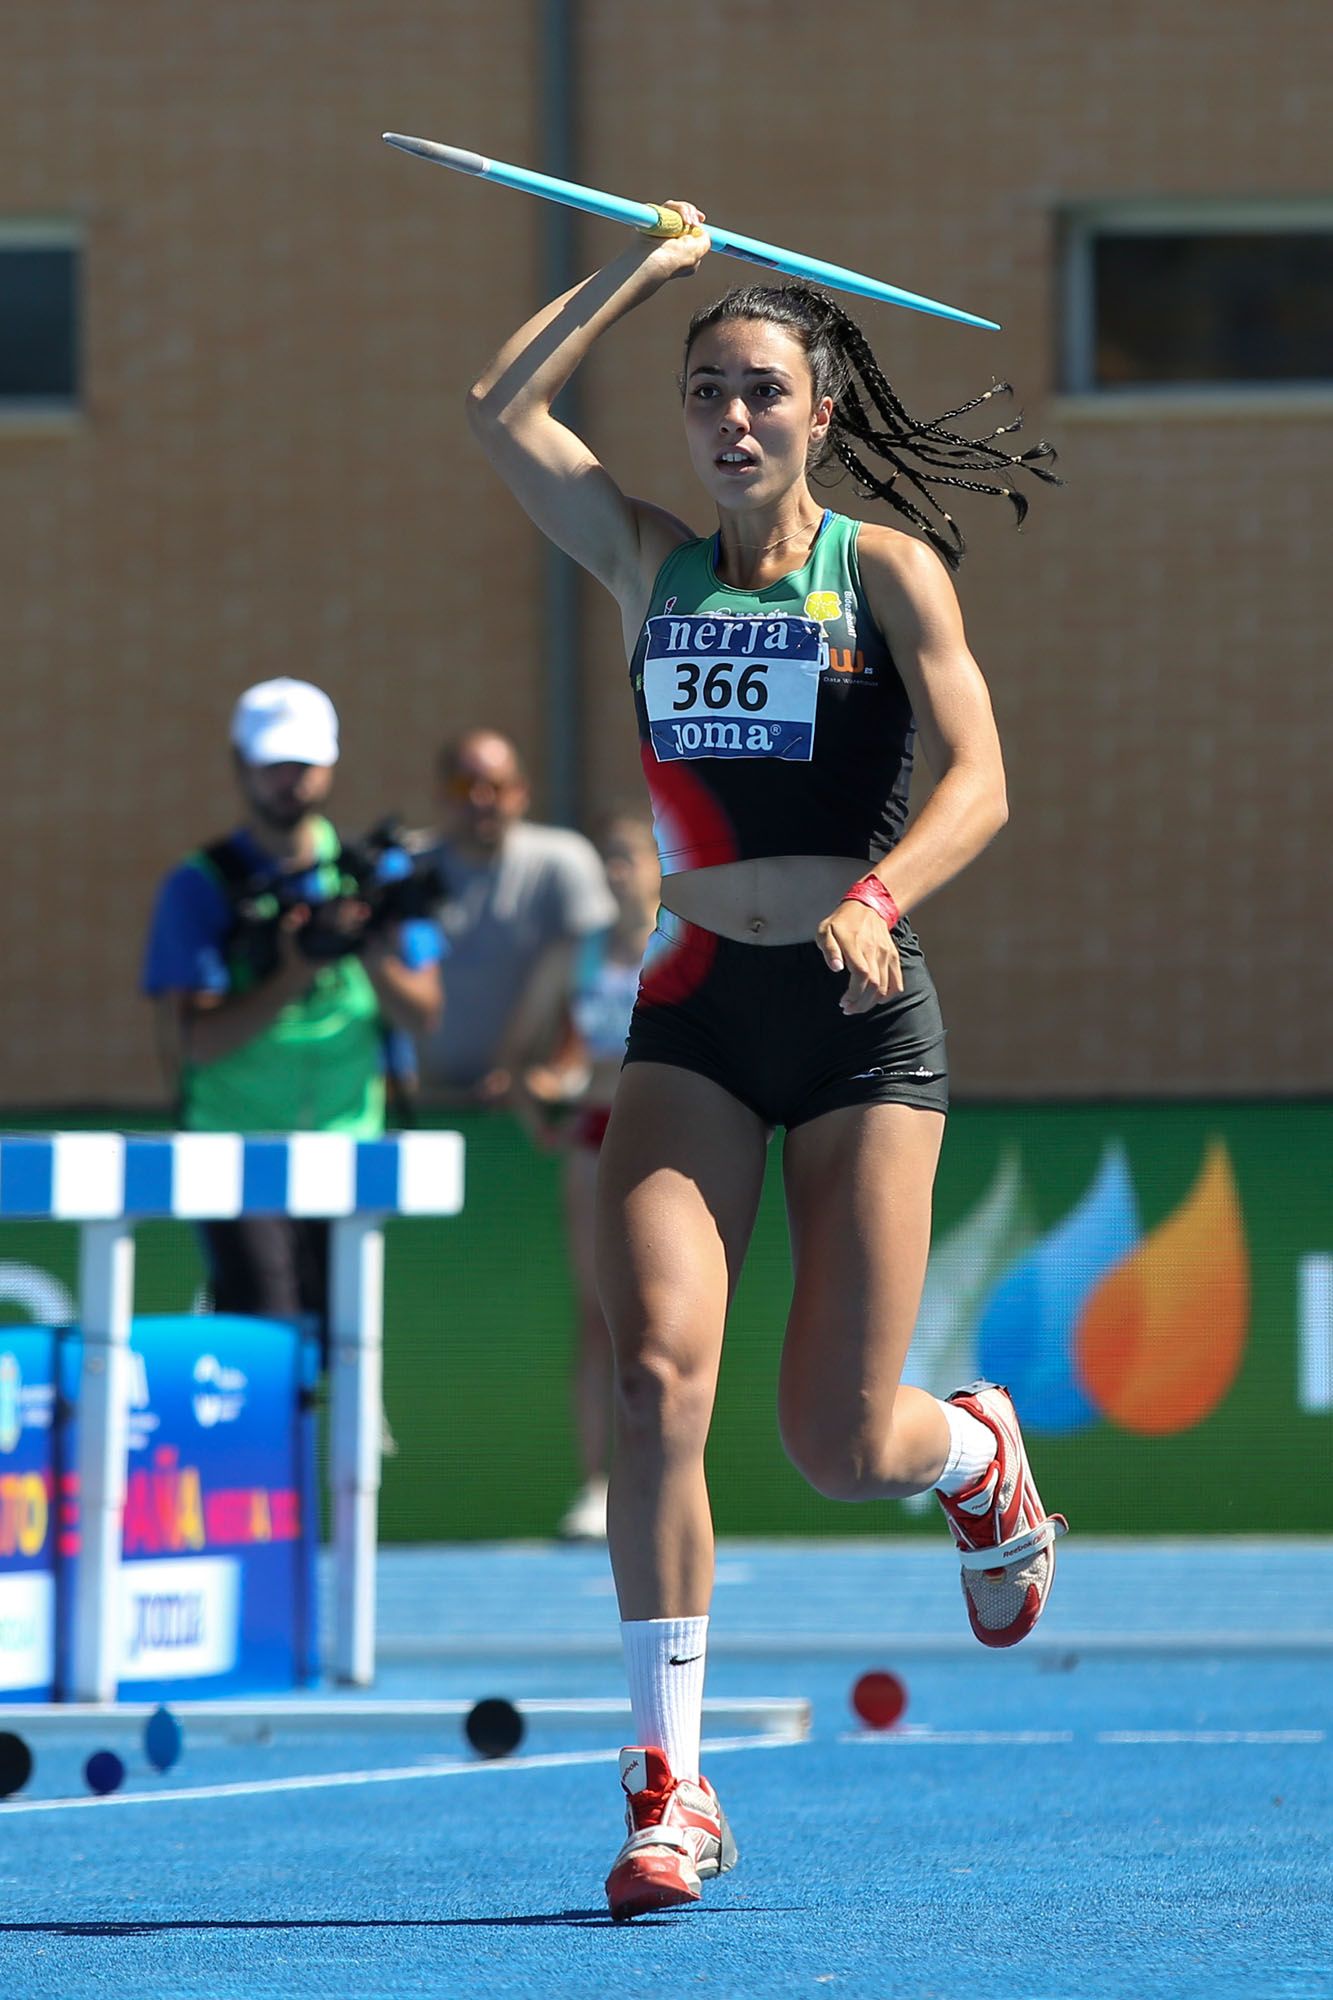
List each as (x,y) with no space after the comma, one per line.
(859,1184)
(681,1171)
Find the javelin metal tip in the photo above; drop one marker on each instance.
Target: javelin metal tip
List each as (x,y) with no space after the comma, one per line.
(457,157)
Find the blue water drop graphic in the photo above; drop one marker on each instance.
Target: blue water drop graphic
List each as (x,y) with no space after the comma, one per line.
(1026,1333)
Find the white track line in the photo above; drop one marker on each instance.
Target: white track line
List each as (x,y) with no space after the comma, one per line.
(402,1774)
(899,1739)
(1211,1736)
(503,1646)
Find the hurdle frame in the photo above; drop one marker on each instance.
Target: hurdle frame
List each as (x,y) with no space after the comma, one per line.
(107,1182)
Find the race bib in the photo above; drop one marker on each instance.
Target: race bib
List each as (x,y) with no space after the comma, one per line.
(725,686)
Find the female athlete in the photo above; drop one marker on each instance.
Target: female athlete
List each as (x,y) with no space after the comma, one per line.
(780,669)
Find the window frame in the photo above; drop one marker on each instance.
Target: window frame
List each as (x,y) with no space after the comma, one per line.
(49,412)
(1081,224)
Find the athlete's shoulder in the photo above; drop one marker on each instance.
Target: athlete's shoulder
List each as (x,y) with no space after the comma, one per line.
(898,562)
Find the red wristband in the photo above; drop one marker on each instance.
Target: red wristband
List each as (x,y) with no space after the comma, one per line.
(872,892)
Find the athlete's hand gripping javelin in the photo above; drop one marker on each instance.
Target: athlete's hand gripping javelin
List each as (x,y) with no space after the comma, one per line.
(681,250)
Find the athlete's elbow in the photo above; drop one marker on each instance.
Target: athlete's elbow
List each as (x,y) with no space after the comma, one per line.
(992,796)
(483,413)
(987,806)
(498,422)
(999,809)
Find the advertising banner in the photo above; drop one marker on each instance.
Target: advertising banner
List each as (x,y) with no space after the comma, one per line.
(1153,1280)
(217,1579)
(28,1527)
(218,1549)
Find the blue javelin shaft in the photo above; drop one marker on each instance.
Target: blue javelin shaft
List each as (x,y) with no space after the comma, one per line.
(644,215)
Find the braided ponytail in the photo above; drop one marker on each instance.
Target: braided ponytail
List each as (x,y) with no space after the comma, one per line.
(868,417)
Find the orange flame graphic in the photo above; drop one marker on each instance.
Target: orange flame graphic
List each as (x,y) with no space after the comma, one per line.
(1160,1341)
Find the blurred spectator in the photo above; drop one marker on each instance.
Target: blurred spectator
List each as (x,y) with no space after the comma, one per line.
(280,961)
(518,899)
(569,1101)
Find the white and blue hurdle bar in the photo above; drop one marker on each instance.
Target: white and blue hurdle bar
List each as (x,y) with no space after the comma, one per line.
(106,1182)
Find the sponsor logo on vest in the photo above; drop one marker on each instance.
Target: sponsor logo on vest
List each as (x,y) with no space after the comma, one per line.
(730,636)
(737,738)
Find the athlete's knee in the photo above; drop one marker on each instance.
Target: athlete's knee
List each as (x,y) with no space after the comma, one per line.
(848,1461)
(840,1472)
(664,1391)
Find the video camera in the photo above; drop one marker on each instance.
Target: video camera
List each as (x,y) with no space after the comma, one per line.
(387,873)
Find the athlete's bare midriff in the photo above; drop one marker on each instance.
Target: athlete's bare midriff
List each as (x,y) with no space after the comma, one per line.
(779,899)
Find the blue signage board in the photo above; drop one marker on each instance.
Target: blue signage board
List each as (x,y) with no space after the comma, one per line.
(29,1528)
(217,1575)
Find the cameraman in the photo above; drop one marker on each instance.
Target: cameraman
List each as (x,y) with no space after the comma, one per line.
(280,967)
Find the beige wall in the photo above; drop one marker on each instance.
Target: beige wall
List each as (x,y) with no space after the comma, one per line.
(273,476)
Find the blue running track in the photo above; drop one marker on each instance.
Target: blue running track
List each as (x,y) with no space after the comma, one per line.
(1138,1803)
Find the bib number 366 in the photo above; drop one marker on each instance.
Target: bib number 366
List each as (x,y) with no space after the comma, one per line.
(732,687)
(751,690)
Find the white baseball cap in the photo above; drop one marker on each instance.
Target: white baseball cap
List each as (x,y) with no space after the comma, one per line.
(285,722)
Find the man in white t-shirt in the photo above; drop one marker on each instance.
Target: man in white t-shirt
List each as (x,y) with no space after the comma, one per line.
(518,897)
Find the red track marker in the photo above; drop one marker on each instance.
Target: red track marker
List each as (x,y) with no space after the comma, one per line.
(879,1698)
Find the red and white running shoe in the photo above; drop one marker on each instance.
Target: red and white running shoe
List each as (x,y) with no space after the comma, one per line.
(678,1837)
(1006,1536)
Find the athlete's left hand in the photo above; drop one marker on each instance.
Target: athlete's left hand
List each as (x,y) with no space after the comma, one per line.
(856,940)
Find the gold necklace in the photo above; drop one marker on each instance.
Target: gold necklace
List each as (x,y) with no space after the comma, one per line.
(749,549)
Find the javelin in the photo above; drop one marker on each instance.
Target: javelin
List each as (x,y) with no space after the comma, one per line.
(646,215)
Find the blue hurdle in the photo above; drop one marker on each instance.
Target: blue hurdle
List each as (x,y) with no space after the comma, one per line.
(108,1181)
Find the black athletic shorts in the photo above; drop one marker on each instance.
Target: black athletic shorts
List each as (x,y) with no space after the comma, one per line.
(764,1022)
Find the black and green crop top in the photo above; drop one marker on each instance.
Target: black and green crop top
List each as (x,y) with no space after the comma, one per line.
(770,721)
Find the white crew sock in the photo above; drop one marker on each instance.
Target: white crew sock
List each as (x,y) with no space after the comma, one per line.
(664,1660)
(971,1450)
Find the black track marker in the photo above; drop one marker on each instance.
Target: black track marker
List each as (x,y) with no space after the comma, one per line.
(494,1728)
(15,1763)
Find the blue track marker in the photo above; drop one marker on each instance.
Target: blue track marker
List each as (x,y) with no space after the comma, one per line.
(162,1739)
(645,215)
(103,1772)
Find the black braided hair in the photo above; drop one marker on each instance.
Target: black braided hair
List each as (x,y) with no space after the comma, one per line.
(919,455)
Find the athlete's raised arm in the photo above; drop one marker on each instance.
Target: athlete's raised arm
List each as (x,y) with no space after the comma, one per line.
(551,471)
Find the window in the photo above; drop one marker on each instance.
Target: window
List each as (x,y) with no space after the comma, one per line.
(1199,297)
(39,332)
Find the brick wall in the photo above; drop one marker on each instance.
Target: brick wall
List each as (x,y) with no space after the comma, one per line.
(272,473)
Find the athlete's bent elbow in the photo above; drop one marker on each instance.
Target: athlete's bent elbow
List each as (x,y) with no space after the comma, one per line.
(481,413)
(499,424)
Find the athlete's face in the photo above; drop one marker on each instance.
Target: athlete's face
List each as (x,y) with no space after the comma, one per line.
(750,412)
